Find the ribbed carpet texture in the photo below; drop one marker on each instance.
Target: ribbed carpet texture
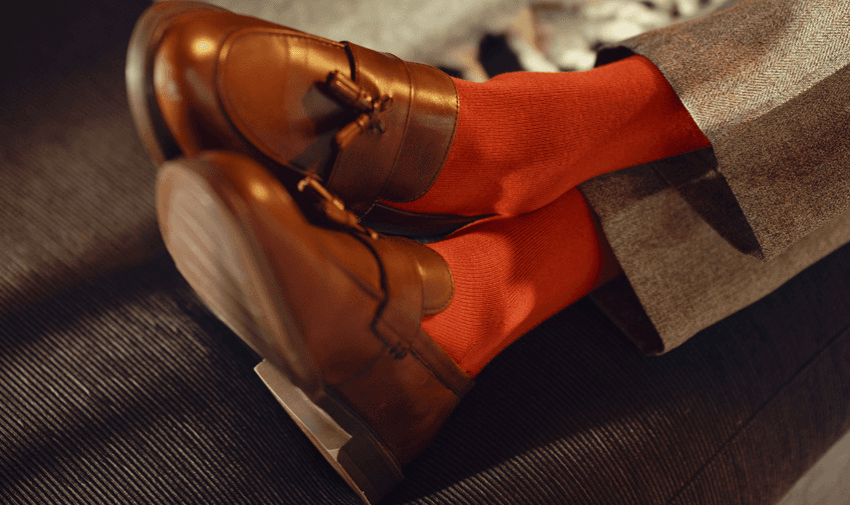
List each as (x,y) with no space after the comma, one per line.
(118,386)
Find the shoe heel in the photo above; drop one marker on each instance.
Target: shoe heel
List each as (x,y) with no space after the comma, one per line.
(354,451)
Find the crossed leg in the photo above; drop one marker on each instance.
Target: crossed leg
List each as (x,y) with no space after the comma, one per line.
(524,142)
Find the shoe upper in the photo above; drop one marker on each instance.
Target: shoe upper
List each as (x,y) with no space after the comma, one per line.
(357,300)
(368,125)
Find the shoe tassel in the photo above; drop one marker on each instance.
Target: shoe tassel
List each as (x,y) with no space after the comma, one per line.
(354,95)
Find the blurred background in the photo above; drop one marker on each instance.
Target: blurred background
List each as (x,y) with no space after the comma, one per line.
(475,39)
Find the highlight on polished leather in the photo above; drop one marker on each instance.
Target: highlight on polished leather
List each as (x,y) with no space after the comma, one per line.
(365,124)
(334,309)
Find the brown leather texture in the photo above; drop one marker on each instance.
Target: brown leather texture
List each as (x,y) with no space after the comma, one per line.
(226,81)
(419,128)
(358,303)
(437,282)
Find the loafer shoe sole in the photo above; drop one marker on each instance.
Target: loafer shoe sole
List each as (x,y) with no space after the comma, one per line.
(203,221)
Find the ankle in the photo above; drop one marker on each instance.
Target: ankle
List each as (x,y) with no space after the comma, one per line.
(524,139)
(513,273)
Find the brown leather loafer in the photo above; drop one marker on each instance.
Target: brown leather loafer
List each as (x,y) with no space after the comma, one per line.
(366,125)
(334,308)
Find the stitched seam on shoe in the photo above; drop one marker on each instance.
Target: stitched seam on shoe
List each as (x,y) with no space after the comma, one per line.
(435,374)
(385,299)
(404,129)
(379,311)
(353,277)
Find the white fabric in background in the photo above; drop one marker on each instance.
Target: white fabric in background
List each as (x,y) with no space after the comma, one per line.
(416,30)
(447,32)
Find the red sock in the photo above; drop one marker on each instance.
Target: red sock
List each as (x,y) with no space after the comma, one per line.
(524,138)
(512,273)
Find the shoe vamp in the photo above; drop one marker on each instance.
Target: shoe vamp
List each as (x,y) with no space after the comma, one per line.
(270,86)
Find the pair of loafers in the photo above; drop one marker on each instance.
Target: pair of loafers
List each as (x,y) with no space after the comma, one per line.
(261,133)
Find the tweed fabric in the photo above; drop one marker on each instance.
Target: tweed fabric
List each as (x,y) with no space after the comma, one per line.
(681,271)
(767,81)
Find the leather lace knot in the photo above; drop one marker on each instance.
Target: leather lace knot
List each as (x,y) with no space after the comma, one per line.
(354,95)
